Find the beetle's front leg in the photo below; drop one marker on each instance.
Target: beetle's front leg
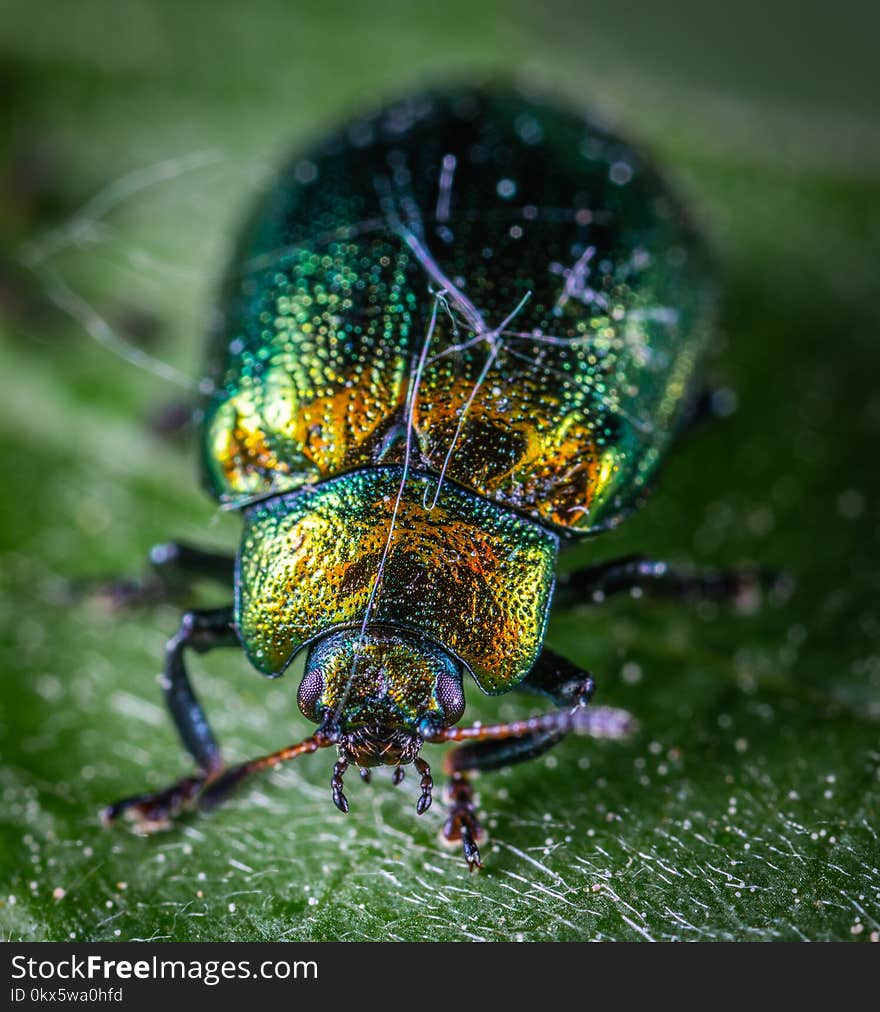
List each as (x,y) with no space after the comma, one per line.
(462,825)
(199,631)
(737,585)
(493,747)
(174,566)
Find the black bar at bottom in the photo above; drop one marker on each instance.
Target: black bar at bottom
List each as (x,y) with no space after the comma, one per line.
(131,975)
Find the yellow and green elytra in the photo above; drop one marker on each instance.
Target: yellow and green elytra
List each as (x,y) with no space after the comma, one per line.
(456,335)
(491,198)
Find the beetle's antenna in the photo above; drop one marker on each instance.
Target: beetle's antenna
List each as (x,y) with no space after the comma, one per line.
(591,721)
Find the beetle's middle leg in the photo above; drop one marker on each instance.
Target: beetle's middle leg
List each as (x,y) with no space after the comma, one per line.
(199,631)
(740,586)
(493,747)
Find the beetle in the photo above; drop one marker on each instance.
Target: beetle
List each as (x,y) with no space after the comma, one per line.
(457,335)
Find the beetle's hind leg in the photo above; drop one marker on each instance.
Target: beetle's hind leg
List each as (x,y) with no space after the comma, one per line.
(199,631)
(174,568)
(740,586)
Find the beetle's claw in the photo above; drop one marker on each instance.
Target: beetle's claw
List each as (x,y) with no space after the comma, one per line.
(366,776)
(462,830)
(472,854)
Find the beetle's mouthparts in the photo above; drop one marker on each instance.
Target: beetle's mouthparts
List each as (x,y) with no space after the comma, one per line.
(377,746)
(380,745)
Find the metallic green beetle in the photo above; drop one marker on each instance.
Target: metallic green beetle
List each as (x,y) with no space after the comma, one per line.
(456,335)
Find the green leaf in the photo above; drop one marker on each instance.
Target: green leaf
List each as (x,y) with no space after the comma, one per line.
(746,805)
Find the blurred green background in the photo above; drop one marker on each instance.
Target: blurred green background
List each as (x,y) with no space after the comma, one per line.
(134,135)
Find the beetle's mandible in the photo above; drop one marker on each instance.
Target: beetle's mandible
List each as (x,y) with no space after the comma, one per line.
(456,335)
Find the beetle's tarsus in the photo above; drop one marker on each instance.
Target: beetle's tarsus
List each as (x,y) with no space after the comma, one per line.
(471,850)
(427,785)
(462,824)
(398,775)
(207,789)
(174,568)
(114,596)
(151,813)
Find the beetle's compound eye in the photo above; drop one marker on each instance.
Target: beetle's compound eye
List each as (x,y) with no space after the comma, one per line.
(450,696)
(310,690)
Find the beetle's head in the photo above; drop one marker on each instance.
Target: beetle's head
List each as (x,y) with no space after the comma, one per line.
(378,695)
